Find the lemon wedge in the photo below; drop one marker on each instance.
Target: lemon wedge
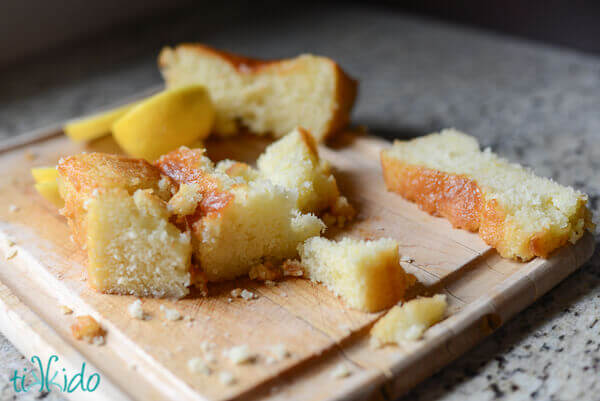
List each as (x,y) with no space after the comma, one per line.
(41,174)
(96,126)
(166,121)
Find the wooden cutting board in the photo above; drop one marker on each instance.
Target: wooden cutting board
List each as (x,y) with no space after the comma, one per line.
(145,360)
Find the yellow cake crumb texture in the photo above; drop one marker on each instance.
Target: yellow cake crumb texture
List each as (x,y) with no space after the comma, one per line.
(366,274)
(520,214)
(408,322)
(266,97)
(234,211)
(132,247)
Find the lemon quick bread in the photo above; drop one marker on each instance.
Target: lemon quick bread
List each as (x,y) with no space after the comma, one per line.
(265,96)
(117,210)
(516,212)
(237,223)
(293,162)
(366,274)
(408,321)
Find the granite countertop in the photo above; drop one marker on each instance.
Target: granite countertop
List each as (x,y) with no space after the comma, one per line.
(531,103)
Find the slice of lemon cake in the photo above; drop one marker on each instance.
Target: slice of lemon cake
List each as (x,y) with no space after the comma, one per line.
(366,274)
(516,212)
(265,96)
(238,222)
(293,162)
(116,207)
(408,321)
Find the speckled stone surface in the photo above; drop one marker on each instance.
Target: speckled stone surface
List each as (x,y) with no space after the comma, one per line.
(533,104)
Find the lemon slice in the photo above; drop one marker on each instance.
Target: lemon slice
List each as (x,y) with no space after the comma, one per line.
(41,174)
(96,126)
(165,122)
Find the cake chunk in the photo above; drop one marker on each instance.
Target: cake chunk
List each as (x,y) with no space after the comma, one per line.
(366,274)
(408,321)
(265,96)
(516,212)
(117,210)
(133,249)
(237,223)
(82,175)
(293,162)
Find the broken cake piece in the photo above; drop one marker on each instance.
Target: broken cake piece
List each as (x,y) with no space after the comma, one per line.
(268,97)
(293,162)
(238,222)
(409,321)
(367,275)
(116,207)
(515,211)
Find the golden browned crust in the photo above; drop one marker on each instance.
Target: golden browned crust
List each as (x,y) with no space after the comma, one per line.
(454,197)
(460,200)
(184,166)
(83,174)
(346,87)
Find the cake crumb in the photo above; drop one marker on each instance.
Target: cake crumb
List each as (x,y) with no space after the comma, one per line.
(266,271)
(240,354)
(226,378)
(340,371)
(170,314)
(11,253)
(65,310)
(293,268)
(270,283)
(197,365)
(13,208)
(230,300)
(245,294)
(88,329)
(280,352)
(135,310)
(248,295)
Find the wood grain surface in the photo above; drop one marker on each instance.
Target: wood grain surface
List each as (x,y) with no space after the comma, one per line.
(147,359)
